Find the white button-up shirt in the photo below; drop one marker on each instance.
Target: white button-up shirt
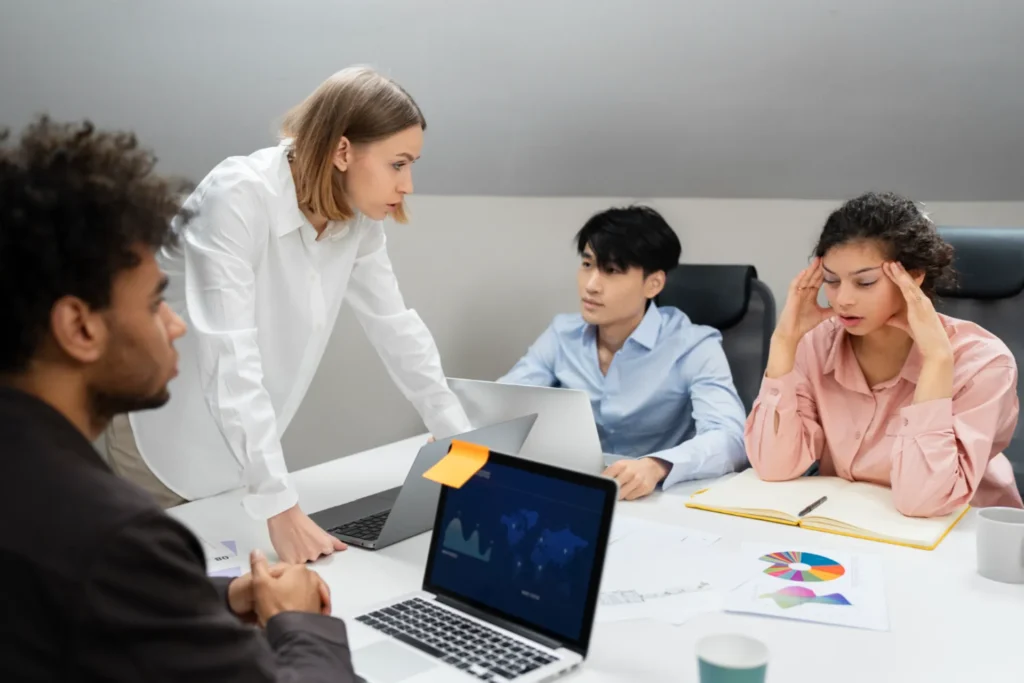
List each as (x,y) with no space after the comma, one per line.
(260,294)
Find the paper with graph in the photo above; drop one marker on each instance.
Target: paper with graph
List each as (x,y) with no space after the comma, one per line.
(823,586)
(682,574)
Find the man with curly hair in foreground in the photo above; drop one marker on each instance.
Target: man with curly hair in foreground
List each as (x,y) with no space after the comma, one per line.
(99,583)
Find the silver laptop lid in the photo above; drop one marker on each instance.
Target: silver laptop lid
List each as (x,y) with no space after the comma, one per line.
(564,435)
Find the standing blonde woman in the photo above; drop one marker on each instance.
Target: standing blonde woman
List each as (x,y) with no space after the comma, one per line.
(276,241)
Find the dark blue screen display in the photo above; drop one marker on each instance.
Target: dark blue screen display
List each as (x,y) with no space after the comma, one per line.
(521,543)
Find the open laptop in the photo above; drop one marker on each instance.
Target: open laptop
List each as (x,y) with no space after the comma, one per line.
(394,515)
(511,583)
(565,433)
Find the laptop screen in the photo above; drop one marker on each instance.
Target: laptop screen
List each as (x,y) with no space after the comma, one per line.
(526,542)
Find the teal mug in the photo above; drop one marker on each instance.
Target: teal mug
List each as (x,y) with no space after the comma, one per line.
(731,658)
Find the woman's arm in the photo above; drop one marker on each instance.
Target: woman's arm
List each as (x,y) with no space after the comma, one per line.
(944,444)
(220,246)
(783,434)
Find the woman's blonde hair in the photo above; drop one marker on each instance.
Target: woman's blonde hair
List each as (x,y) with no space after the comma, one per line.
(359,104)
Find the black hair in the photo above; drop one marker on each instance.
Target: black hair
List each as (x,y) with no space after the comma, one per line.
(633,236)
(75,205)
(900,227)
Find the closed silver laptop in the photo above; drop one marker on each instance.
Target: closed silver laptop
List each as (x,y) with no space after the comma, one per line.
(565,433)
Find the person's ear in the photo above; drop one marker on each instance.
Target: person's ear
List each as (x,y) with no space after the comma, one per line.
(654,283)
(343,154)
(77,330)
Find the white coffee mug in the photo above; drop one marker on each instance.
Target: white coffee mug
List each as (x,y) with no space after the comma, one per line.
(1000,539)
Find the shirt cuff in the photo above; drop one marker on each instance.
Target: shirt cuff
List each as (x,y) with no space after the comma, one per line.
(688,461)
(930,416)
(675,473)
(682,464)
(263,506)
(773,389)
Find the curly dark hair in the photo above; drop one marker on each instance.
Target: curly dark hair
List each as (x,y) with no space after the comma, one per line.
(75,203)
(900,227)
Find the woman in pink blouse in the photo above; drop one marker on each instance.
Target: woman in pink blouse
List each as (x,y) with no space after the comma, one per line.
(880,387)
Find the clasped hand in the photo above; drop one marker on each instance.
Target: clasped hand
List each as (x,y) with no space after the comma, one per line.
(267,591)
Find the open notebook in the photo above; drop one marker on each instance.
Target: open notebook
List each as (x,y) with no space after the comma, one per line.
(852,508)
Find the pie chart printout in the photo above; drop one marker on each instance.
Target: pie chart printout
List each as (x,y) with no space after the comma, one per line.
(798,566)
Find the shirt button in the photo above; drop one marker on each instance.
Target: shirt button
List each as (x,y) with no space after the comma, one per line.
(856,435)
(774,392)
(906,422)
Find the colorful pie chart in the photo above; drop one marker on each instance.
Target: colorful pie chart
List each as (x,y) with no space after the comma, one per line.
(798,566)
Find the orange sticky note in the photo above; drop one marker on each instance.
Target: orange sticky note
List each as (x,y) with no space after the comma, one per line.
(462,462)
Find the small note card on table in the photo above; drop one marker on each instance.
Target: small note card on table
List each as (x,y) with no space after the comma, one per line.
(462,462)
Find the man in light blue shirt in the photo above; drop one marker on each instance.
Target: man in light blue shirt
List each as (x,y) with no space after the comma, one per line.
(660,386)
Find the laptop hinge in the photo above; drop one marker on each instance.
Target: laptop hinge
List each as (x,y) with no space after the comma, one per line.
(499,622)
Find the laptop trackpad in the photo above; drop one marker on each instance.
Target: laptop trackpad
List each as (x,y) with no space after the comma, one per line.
(388,662)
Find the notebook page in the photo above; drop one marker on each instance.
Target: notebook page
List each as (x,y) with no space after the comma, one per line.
(748,492)
(870,507)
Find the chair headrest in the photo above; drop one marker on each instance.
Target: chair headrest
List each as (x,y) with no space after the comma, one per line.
(709,294)
(989,262)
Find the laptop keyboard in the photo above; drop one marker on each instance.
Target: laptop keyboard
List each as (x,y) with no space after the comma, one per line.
(367,528)
(478,650)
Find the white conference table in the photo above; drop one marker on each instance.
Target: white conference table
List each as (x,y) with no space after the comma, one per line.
(946,622)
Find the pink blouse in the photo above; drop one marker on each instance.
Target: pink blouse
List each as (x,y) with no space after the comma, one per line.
(935,455)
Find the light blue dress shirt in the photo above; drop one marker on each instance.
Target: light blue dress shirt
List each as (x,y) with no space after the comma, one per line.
(668,392)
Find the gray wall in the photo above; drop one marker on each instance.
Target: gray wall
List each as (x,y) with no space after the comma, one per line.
(803,99)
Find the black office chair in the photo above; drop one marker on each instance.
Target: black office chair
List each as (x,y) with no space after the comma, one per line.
(990,268)
(731,299)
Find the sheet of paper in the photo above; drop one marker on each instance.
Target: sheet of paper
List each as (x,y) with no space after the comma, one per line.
(462,462)
(673,609)
(652,557)
(654,571)
(621,598)
(624,526)
(819,585)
